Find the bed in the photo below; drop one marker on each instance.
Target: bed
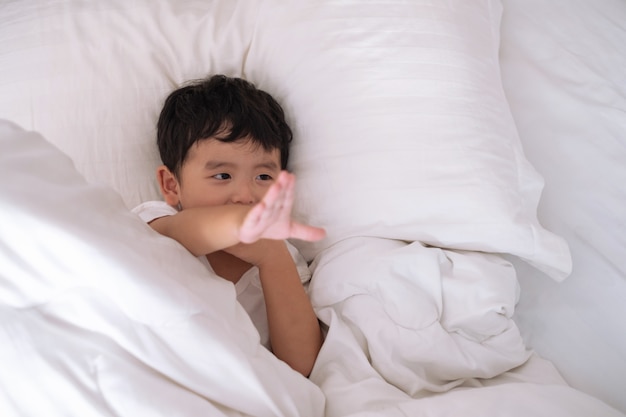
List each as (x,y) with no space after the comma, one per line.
(467,158)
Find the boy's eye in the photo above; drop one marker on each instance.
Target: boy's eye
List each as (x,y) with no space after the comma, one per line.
(221,176)
(265,177)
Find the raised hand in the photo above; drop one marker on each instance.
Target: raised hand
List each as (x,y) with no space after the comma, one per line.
(271,217)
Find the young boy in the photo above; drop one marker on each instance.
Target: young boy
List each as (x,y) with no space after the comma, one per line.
(224,145)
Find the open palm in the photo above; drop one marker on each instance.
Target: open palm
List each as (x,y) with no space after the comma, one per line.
(271,217)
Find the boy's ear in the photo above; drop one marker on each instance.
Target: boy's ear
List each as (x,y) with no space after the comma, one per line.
(170,189)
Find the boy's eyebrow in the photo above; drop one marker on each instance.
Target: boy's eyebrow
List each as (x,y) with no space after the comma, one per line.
(209,165)
(217,164)
(268,165)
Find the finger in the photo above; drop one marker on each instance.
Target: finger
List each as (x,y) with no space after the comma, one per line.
(305,232)
(278,196)
(273,193)
(263,214)
(250,230)
(290,188)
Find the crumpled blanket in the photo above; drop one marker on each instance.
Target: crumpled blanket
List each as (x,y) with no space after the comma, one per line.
(409,326)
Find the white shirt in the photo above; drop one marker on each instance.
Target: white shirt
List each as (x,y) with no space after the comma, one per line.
(248,288)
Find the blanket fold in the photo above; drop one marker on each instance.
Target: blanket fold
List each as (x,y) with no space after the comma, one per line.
(423,319)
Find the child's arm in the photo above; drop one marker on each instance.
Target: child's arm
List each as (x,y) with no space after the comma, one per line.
(256,234)
(295,333)
(204,230)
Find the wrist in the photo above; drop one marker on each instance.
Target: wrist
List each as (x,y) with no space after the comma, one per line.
(277,255)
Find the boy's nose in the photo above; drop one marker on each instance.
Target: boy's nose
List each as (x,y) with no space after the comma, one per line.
(244,194)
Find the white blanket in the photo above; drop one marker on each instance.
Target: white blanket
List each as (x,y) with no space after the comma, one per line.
(101,316)
(414,331)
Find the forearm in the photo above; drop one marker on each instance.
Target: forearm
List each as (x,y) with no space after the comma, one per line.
(203,230)
(295,333)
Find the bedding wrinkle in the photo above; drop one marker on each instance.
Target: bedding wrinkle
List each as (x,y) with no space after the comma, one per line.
(414,312)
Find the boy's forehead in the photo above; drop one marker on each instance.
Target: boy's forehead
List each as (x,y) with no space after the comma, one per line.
(214,148)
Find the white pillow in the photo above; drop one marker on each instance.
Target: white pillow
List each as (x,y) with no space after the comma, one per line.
(401,126)
(112,317)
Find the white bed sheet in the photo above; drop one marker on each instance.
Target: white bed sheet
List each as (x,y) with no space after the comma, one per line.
(563,65)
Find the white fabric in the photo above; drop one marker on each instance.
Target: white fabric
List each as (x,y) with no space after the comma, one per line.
(102,316)
(430,318)
(563,68)
(117,320)
(402,129)
(401,126)
(419,331)
(92,76)
(248,288)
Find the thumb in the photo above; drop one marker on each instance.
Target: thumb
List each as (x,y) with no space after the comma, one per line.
(305,232)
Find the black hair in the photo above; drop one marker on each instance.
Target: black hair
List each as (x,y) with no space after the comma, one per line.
(225,108)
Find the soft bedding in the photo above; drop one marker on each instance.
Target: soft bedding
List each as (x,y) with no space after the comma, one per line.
(404,147)
(102,316)
(563,71)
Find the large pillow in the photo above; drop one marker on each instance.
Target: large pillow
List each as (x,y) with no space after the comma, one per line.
(402,129)
(100,311)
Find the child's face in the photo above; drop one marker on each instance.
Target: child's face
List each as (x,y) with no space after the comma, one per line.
(218,173)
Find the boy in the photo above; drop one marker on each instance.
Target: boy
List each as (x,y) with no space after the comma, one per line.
(224,146)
